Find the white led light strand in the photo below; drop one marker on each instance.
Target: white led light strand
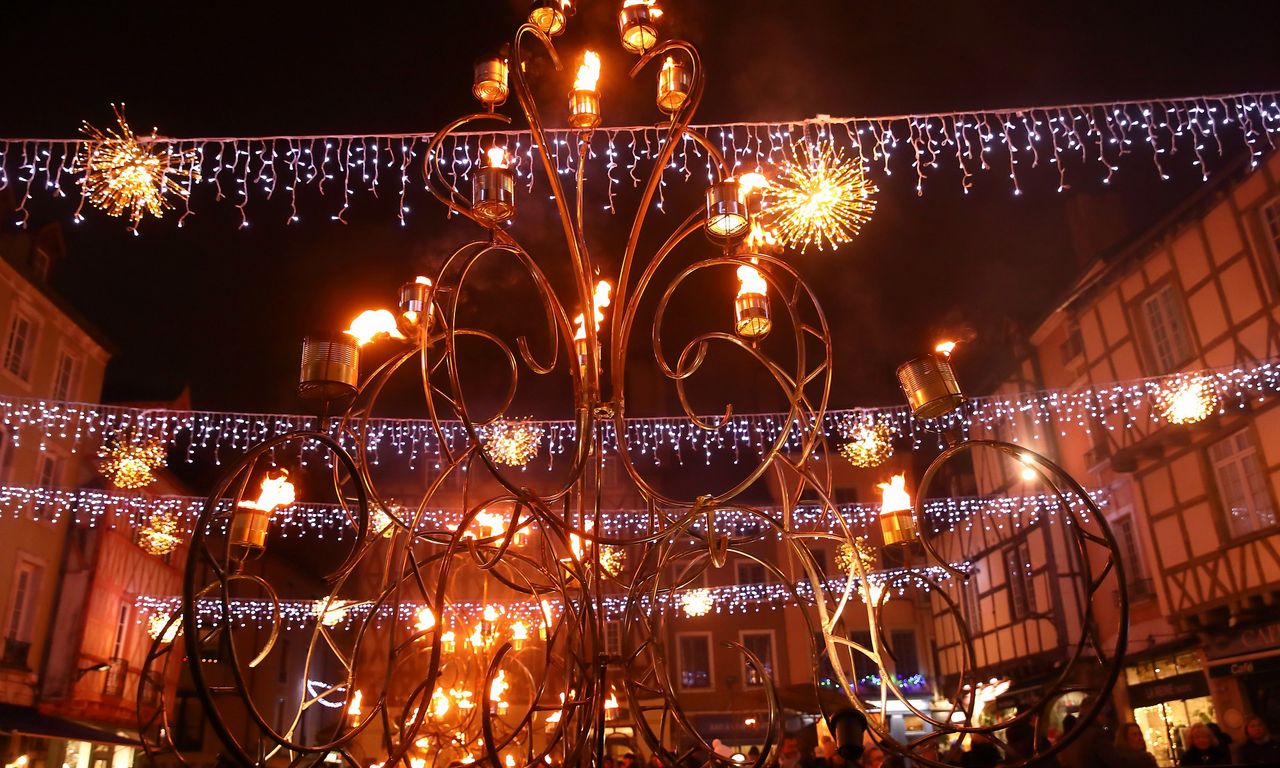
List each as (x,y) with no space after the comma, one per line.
(1022,417)
(1171,134)
(734,599)
(95,508)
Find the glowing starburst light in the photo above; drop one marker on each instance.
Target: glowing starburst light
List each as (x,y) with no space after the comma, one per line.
(696,602)
(513,443)
(869,445)
(820,198)
(159,536)
(130,460)
(1187,402)
(128,177)
(158,625)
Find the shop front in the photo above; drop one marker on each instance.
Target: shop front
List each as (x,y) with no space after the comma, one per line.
(1245,667)
(1167,694)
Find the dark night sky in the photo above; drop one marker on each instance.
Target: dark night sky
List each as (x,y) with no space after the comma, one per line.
(222,310)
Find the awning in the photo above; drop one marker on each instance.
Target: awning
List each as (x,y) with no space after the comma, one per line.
(28,721)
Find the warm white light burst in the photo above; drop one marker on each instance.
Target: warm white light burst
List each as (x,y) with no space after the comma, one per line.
(513,443)
(696,602)
(130,460)
(819,198)
(612,559)
(127,177)
(158,625)
(331,612)
(869,445)
(159,535)
(1187,402)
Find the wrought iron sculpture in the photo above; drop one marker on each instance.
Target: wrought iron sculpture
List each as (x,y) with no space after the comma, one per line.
(407,687)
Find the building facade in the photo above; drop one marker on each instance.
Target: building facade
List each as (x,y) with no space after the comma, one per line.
(47,352)
(1192,506)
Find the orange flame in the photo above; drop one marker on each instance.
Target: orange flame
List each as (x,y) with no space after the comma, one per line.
(276,491)
(893,495)
(588,73)
(598,303)
(751,181)
(752,281)
(760,238)
(497,157)
(654,11)
(945,348)
(373,324)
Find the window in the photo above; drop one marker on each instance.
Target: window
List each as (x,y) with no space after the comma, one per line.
(1017,564)
(613,637)
(122,631)
(40,263)
(826,670)
(6,455)
(907,657)
(1271,220)
(1170,344)
(820,559)
(1131,555)
(751,572)
(695,660)
(19,346)
(682,572)
(759,642)
(1242,487)
(50,471)
(1073,347)
(863,666)
(22,600)
(973,606)
(66,377)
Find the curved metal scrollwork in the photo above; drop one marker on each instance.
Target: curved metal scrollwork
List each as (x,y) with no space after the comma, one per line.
(386,674)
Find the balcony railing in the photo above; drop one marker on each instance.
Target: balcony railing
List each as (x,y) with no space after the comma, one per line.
(16,653)
(117,674)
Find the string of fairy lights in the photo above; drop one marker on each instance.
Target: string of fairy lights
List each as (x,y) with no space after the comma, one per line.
(93,508)
(865,436)
(1091,140)
(732,599)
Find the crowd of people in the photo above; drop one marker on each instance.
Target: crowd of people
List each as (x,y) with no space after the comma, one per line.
(1097,746)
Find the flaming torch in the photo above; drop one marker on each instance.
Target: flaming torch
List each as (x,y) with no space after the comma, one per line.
(930,386)
(490,84)
(751,307)
(249,523)
(584,101)
(896,518)
(637,23)
(373,324)
(674,82)
(550,15)
(598,303)
(493,190)
(415,302)
(330,368)
(726,210)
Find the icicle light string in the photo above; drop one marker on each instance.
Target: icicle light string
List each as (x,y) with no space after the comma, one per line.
(1021,417)
(96,508)
(734,599)
(1171,134)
